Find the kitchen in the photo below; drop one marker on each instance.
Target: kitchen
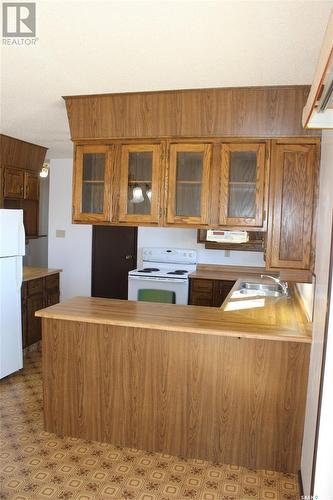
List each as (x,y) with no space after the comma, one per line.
(172,238)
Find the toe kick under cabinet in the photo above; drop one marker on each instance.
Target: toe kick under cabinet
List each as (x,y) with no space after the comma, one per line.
(37,294)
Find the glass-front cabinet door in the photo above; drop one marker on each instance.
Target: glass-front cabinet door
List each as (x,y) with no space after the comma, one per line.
(92,184)
(188,183)
(242,185)
(140,183)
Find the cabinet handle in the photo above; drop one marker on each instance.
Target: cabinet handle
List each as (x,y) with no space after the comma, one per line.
(128,257)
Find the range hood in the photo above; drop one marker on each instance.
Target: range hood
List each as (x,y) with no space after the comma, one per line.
(318,111)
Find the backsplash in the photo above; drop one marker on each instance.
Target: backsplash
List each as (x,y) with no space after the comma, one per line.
(187,238)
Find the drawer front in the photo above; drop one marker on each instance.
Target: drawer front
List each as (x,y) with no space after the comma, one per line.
(52,282)
(199,285)
(35,286)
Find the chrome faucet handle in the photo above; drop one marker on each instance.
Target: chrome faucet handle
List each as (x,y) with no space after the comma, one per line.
(283,284)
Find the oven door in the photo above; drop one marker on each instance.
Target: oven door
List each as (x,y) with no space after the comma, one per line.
(137,285)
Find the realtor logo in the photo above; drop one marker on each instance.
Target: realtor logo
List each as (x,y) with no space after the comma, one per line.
(18,19)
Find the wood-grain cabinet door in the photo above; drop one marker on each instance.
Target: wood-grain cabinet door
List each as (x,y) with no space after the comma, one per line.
(188,184)
(201,292)
(13,183)
(92,184)
(221,291)
(140,183)
(242,185)
(292,190)
(31,186)
(51,290)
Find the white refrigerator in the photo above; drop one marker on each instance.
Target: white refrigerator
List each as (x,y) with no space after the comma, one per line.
(12,249)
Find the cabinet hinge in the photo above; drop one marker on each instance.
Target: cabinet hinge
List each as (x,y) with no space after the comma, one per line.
(265,215)
(160,212)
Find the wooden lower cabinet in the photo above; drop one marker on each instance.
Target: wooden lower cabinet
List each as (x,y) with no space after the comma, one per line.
(37,294)
(211,293)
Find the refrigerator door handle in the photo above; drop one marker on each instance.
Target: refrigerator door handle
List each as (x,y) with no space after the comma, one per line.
(19,272)
(21,238)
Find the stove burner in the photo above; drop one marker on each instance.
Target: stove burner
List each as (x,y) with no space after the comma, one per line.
(148,270)
(178,271)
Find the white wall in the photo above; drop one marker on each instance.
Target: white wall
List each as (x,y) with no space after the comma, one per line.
(306,291)
(72,253)
(323,479)
(187,238)
(325,206)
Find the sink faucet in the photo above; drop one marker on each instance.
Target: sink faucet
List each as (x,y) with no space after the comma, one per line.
(282,284)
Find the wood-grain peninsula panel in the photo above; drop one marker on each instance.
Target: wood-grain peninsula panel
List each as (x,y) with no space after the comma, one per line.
(229,400)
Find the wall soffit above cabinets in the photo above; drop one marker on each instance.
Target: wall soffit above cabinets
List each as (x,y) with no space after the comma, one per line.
(244,111)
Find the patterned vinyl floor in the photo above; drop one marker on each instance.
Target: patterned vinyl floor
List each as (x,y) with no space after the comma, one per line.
(37,465)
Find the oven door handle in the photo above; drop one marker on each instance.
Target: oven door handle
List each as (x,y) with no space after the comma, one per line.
(158,280)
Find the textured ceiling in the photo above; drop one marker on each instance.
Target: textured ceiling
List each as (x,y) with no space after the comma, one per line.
(89,47)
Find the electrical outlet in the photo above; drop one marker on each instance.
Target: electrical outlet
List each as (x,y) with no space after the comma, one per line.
(226,253)
(60,233)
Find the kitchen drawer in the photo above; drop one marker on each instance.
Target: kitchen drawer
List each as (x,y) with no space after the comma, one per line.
(35,286)
(199,285)
(51,282)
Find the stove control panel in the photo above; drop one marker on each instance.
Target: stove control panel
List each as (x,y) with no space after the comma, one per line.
(170,255)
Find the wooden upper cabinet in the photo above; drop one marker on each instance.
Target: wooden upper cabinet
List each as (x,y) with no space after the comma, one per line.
(139,199)
(31,186)
(188,184)
(13,183)
(242,188)
(292,192)
(92,184)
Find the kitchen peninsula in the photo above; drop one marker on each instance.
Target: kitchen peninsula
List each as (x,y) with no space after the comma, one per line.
(225,384)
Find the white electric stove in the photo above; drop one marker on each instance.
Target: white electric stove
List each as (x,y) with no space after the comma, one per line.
(165,269)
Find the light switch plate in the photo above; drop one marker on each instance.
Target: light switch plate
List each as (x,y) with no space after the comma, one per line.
(60,233)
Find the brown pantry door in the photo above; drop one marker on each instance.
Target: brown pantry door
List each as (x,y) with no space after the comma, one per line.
(242,185)
(114,253)
(92,184)
(140,183)
(292,189)
(188,183)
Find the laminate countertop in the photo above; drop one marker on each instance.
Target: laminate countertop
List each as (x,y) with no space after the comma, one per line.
(33,273)
(230,273)
(267,318)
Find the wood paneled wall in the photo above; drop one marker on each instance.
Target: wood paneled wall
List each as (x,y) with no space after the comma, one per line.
(247,112)
(17,153)
(229,400)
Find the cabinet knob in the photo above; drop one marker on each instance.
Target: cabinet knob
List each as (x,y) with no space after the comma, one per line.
(128,257)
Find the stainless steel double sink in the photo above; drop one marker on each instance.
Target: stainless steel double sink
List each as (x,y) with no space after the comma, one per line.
(264,289)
